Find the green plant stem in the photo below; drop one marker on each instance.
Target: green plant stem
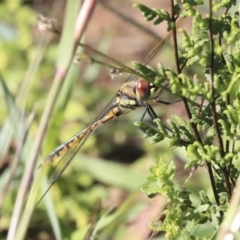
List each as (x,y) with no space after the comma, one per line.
(23,132)
(213,103)
(82,21)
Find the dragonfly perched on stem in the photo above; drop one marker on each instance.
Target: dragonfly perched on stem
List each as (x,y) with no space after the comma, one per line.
(136,92)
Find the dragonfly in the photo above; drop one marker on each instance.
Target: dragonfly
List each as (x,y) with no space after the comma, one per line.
(136,92)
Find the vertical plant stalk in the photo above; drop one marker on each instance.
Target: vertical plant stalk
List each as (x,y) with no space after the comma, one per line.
(175,44)
(213,103)
(193,125)
(227,144)
(22,136)
(81,23)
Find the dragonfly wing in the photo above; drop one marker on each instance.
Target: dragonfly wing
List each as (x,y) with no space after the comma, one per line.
(68,151)
(65,159)
(156,50)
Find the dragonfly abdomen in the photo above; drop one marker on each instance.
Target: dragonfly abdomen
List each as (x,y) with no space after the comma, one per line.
(75,140)
(62,149)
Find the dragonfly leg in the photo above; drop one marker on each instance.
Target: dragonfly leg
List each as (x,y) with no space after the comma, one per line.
(144,114)
(164,102)
(167,103)
(148,109)
(153,115)
(151,112)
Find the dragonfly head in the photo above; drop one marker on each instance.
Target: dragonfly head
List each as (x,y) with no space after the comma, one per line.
(145,90)
(134,94)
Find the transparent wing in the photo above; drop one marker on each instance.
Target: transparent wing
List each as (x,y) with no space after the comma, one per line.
(113,63)
(157,49)
(67,151)
(62,164)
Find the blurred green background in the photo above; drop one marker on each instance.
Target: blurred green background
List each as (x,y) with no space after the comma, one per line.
(104,179)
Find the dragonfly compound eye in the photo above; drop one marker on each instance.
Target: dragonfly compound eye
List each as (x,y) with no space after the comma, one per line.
(143,89)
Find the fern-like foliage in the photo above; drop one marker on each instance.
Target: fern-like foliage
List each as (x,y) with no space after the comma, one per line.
(211,100)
